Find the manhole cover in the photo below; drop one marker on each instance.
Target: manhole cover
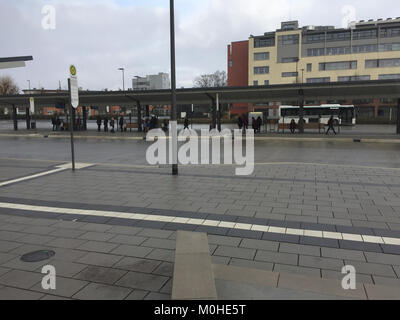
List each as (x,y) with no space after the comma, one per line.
(38,256)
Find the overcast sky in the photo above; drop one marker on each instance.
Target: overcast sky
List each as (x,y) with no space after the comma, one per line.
(99,36)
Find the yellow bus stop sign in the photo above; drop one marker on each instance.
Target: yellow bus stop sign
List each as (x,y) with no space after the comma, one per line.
(72,70)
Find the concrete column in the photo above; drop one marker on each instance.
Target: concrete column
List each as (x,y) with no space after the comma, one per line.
(213,114)
(14,115)
(301,104)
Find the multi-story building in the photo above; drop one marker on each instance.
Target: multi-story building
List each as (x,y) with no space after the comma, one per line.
(152,82)
(367,50)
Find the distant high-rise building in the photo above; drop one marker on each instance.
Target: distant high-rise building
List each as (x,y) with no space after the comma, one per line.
(152,82)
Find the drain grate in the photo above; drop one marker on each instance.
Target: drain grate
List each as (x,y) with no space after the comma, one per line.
(37,256)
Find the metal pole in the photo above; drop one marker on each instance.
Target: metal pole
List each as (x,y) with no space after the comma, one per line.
(71,126)
(218,115)
(398,116)
(174,123)
(301,121)
(123,80)
(192,115)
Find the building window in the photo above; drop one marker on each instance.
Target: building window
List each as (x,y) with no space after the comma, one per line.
(261,56)
(365,48)
(264,42)
(337,50)
(354,78)
(390,32)
(289,39)
(289,74)
(261,70)
(382,63)
(389,76)
(315,52)
(230,63)
(389,47)
(343,65)
(338,36)
(255,83)
(288,60)
(365,34)
(266,82)
(313,38)
(309,67)
(319,80)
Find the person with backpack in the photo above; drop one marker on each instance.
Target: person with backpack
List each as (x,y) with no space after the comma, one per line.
(121,123)
(112,124)
(186,123)
(105,124)
(98,123)
(240,123)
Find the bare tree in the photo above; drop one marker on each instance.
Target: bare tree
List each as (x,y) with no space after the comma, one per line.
(8,86)
(217,79)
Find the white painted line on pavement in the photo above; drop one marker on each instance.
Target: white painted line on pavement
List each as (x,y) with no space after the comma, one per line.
(41,174)
(213,223)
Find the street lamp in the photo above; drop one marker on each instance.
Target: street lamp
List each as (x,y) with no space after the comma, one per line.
(174,124)
(123,78)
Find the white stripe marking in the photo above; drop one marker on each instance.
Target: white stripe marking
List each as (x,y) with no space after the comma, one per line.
(214,223)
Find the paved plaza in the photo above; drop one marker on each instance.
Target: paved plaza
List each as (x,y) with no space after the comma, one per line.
(309,209)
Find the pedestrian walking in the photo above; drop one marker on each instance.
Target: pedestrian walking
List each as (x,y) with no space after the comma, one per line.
(121,123)
(98,123)
(53,122)
(293,126)
(331,124)
(259,124)
(254,124)
(58,123)
(240,122)
(112,125)
(105,124)
(186,123)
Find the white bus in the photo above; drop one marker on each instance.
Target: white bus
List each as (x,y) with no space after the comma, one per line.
(343,114)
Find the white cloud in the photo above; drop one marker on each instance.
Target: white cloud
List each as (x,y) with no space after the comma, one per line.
(101,36)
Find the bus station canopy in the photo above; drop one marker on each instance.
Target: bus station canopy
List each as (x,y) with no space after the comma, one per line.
(389,89)
(14,62)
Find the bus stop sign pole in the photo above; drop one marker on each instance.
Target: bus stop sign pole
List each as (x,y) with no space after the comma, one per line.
(71,126)
(73,103)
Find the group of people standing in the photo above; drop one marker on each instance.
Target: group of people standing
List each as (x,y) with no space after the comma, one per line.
(256,124)
(105,122)
(56,123)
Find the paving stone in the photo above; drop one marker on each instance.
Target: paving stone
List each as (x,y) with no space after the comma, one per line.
(10,235)
(372,268)
(281,237)
(95,291)
(65,287)
(283,268)
(65,268)
(321,263)
(165,269)
(99,259)
(277,257)
(220,260)
(319,242)
(8,293)
(300,249)
(360,278)
(40,230)
(96,227)
(251,264)
(67,243)
(132,251)
(259,244)
(96,236)
(100,274)
(20,279)
(212,230)
(5,257)
(97,246)
(126,239)
(390,249)
(225,241)
(160,243)
(157,296)
(241,253)
(53,298)
(6,246)
(245,234)
(142,281)
(397,270)
(137,295)
(162,255)
(360,246)
(382,258)
(125,230)
(136,264)
(382,292)
(343,254)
